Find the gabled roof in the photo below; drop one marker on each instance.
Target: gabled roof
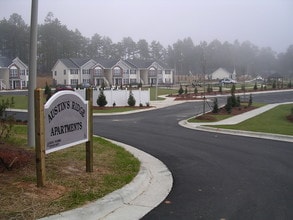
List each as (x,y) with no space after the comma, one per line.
(144,64)
(107,63)
(74,63)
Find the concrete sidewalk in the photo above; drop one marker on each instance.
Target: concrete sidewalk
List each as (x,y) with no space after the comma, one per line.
(238,119)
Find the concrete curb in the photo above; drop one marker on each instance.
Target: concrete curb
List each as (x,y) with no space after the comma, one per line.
(237,119)
(146,191)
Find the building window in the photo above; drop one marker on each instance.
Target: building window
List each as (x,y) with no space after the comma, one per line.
(86,81)
(73,71)
(98,71)
(152,72)
(132,71)
(74,82)
(132,81)
(22,72)
(64,71)
(86,71)
(13,73)
(117,71)
(55,73)
(167,71)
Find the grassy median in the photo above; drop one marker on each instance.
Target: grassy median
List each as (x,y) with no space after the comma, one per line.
(273,121)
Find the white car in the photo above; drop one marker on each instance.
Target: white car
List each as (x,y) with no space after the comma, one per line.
(227,81)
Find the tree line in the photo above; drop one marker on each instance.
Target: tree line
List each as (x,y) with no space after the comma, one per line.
(56,41)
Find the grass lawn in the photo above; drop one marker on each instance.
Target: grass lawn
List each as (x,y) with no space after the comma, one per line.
(20,101)
(161,91)
(115,109)
(67,184)
(272,121)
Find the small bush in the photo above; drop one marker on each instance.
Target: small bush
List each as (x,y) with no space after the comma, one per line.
(255,87)
(228,105)
(131,100)
(233,89)
(250,100)
(101,101)
(216,106)
(180,91)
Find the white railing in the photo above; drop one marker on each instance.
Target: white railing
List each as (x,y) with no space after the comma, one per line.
(2,85)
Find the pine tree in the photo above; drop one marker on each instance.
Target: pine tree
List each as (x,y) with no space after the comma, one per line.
(101,101)
(131,100)
(180,91)
(216,106)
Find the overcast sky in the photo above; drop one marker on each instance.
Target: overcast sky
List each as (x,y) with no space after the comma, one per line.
(265,23)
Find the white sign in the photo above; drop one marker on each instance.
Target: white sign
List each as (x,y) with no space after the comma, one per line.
(66,120)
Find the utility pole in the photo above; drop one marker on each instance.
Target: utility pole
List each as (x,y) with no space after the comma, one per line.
(32,73)
(203,65)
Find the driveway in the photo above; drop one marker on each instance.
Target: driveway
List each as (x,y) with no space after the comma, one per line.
(216,176)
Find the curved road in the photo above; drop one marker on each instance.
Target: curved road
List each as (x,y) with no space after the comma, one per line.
(216,176)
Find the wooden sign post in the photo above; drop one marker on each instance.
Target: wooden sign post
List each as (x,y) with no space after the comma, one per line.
(40,137)
(64,121)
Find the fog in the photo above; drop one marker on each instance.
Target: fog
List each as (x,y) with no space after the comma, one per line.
(265,23)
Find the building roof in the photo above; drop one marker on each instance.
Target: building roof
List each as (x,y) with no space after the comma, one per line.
(4,62)
(107,63)
(74,63)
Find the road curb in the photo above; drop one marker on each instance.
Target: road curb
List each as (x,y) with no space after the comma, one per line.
(147,190)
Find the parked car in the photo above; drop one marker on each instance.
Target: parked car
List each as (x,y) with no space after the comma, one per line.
(227,81)
(63,87)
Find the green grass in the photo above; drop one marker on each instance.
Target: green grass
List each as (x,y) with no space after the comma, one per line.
(66,177)
(115,110)
(161,91)
(20,101)
(272,121)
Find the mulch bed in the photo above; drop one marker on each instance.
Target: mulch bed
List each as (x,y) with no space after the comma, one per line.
(222,111)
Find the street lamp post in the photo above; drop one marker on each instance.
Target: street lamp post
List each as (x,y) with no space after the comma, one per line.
(32,73)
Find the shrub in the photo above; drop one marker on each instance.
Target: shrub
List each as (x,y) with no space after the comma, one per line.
(233,89)
(250,100)
(210,88)
(290,85)
(195,91)
(274,84)
(48,91)
(238,101)
(6,122)
(233,100)
(131,100)
(255,86)
(216,106)
(185,91)
(180,91)
(228,105)
(101,101)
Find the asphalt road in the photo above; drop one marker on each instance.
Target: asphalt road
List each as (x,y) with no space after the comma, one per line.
(216,176)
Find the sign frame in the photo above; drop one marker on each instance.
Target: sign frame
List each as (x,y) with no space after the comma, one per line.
(68,113)
(40,147)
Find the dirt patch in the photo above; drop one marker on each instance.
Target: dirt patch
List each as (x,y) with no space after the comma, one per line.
(210,116)
(290,118)
(14,158)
